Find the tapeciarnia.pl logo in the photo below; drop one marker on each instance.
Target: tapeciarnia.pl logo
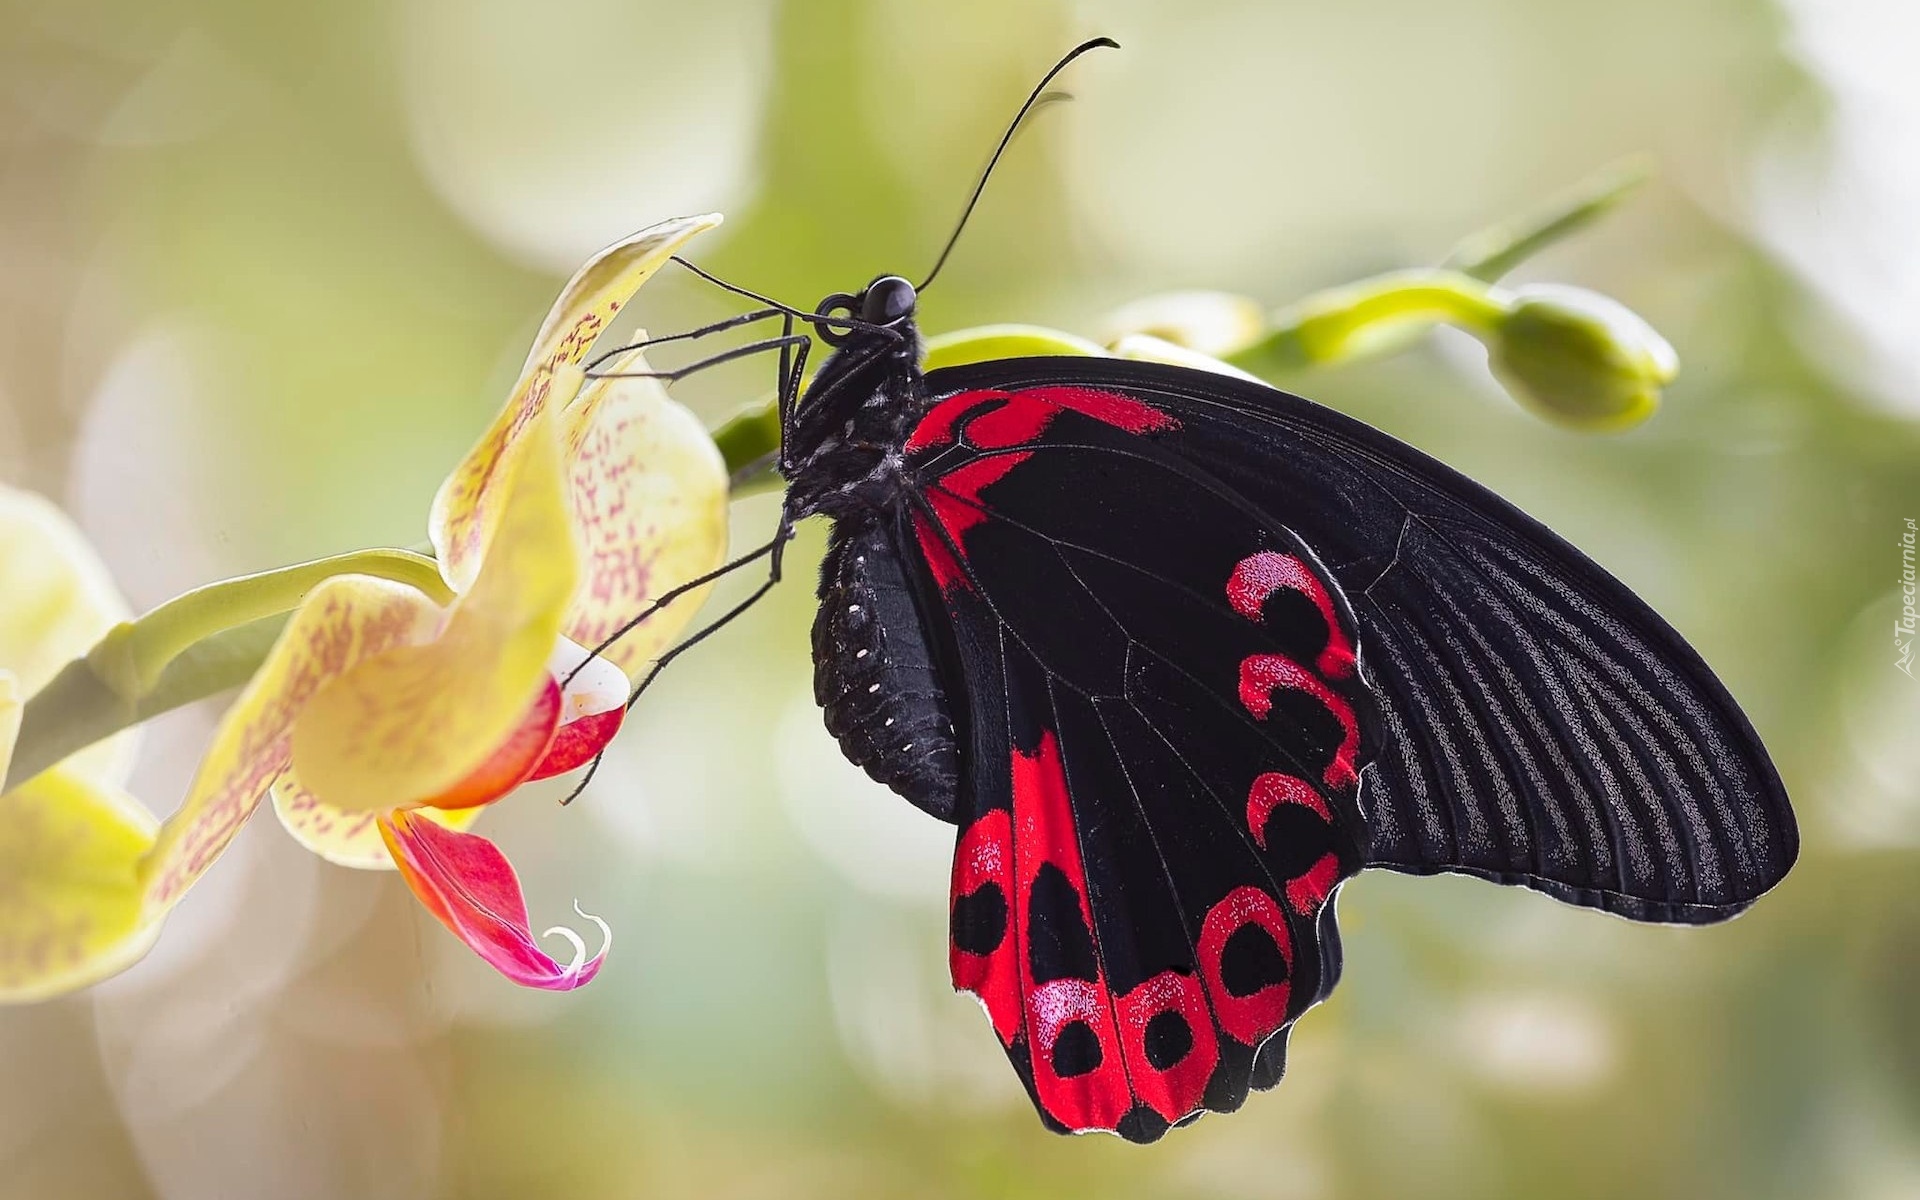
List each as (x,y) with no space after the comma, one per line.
(1904,624)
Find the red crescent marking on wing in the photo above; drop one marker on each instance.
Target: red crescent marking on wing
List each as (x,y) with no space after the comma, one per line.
(1307,892)
(1272,789)
(1248,1018)
(1259,576)
(982,856)
(1177,1090)
(1044,832)
(1260,674)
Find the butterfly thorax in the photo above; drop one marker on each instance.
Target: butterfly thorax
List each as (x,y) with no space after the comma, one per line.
(841,452)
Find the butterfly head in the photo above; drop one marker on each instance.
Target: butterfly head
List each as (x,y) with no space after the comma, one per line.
(886,303)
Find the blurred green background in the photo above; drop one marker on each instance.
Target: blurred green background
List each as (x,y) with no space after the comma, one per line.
(266,269)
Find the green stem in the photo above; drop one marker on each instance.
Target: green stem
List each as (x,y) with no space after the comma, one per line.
(193,646)
(1492,252)
(132,656)
(1370,318)
(747,441)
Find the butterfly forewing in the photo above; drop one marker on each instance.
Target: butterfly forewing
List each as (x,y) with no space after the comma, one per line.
(1535,722)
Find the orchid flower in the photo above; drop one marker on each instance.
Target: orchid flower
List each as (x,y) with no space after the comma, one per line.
(66,835)
(387,716)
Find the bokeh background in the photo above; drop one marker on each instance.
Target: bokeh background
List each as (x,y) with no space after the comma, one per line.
(265,270)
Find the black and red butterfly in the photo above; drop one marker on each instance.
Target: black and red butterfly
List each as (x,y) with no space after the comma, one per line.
(1178,653)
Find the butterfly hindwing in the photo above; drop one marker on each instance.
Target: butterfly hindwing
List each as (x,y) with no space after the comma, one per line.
(1162,755)
(1531,721)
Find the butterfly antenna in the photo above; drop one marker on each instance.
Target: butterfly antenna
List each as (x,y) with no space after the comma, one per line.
(1025,109)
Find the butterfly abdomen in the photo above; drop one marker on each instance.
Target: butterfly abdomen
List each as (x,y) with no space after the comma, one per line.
(874,676)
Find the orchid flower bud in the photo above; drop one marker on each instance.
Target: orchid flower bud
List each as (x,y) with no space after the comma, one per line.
(1580,358)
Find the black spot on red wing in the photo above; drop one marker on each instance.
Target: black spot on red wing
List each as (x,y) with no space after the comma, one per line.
(1059,943)
(1074,1011)
(1297,838)
(1226,948)
(980,920)
(1251,961)
(982,864)
(1168,1039)
(1076,1051)
(1142,1124)
(1171,1046)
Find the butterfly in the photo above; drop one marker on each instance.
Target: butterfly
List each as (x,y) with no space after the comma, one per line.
(1177,653)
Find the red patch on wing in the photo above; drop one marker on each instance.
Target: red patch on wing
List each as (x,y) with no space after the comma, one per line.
(982,891)
(1249,1017)
(1120,411)
(1258,576)
(992,420)
(1044,834)
(947,571)
(1309,891)
(937,426)
(956,497)
(1169,1068)
(1261,674)
(1007,419)
(956,503)
(1017,420)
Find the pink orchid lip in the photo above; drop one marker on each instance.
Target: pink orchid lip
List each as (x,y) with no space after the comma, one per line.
(594,703)
(467,884)
(514,761)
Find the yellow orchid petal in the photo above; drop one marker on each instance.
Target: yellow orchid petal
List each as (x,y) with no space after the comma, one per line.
(649,496)
(56,598)
(9,718)
(343,621)
(348,839)
(71,900)
(56,601)
(463,508)
(406,725)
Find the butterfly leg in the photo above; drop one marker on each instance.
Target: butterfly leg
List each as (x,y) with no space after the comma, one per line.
(784,342)
(733,322)
(776,549)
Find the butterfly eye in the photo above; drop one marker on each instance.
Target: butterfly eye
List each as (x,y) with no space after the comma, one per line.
(887,299)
